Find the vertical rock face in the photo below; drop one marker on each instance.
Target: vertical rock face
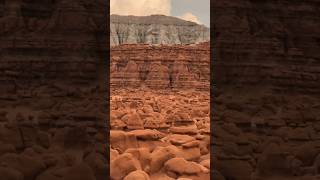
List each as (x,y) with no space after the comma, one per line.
(51,60)
(161,67)
(49,40)
(155,29)
(272,49)
(266,64)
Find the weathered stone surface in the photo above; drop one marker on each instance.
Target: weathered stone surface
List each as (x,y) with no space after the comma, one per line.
(52,54)
(137,175)
(266,76)
(161,67)
(123,165)
(155,29)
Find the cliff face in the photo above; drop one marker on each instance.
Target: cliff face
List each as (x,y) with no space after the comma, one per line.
(48,41)
(273,49)
(266,67)
(155,29)
(161,67)
(51,52)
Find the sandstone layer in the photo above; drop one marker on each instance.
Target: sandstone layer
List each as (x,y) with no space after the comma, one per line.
(51,57)
(176,67)
(265,103)
(155,29)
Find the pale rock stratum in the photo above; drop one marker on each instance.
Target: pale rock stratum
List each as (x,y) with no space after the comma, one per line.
(155,29)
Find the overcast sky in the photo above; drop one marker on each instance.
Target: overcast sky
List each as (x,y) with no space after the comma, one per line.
(192,10)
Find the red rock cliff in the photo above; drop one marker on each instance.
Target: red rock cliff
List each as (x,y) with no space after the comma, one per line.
(265,105)
(161,67)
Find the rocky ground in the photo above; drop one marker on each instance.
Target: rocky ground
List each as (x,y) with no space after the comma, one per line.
(262,135)
(159,135)
(51,133)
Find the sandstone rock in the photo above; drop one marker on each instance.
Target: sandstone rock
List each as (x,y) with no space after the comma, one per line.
(217,175)
(10,174)
(141,154)
(154,123)
(156,75)
(98,164)
(28,166)
(181,166)
(158,157)
(239,169)
(113,154)
(177,139)
(121,141)
(187,31)
(123,165)
(184,130)
(6,148)
(137,175)
(206,163)
(117,124)
(134,122)
(191,154)
(147,134)
(79,172)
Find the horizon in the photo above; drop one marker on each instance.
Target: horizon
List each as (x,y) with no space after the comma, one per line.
(160,15)
(197,11)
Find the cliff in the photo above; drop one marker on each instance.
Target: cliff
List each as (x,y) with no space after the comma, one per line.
(266,71)
(52,53)
(155,29)
(263,43)
(161,67)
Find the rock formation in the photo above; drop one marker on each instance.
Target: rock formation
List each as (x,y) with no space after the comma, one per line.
(161,67)
(159,134)
(155,29)
(52,54)
(160,127)
(266,70)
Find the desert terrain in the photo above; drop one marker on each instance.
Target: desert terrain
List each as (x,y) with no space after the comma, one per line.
(266,101)
(52,102)
(160,125)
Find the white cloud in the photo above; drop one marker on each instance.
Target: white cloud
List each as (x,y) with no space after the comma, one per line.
(190,17)
(140,7)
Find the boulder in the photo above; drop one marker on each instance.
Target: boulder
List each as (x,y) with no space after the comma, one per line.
(137,175)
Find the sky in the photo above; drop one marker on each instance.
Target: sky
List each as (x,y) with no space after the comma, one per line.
(192,10)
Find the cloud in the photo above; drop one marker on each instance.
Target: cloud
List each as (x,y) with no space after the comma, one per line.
(140,7)
(190,17)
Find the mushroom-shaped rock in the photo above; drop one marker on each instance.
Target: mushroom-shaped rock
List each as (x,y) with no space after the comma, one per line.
(117,124)
(137,175)
(178,139)
(141,154)
(121,141)
(182,167)
(123,165)
(147,134)
(158,157)
(134,121)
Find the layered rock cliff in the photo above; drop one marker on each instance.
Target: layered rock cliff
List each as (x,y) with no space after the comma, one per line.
(265,106)
(161,67)
(265,43)
(51,59)
(155,29)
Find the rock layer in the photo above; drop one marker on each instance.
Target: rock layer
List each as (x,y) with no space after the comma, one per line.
(266,71)
(155,29)
(161,67)
(51,53)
